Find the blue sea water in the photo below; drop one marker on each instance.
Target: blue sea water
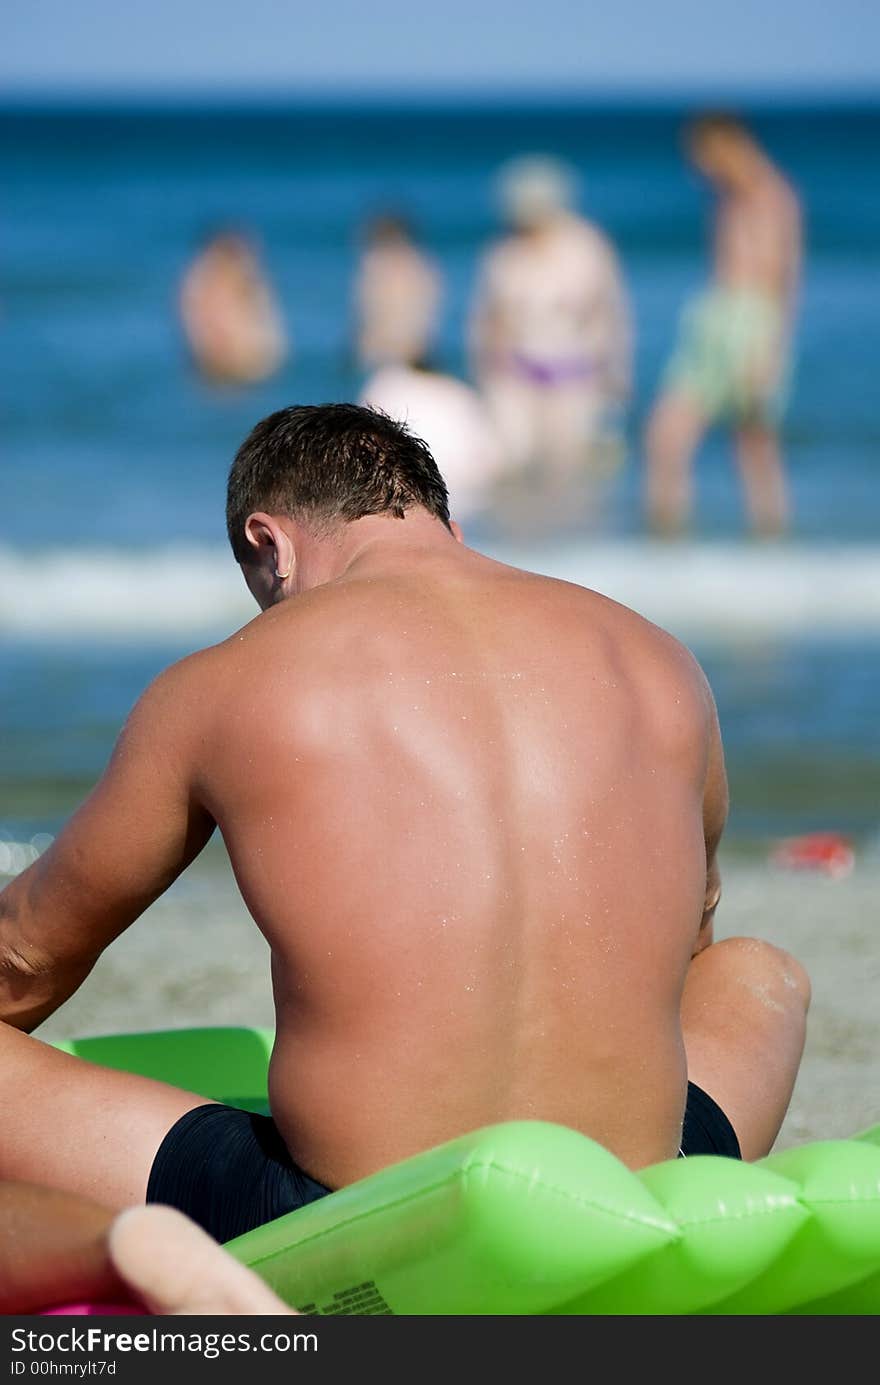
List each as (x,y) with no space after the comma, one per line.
(113,454)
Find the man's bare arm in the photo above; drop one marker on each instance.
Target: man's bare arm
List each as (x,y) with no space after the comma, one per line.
(716,802)
(130,839)
(53,1249)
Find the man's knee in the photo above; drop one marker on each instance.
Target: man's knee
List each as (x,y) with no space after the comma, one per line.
(774,975)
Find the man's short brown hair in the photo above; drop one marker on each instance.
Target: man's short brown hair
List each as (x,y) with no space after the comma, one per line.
(328,464)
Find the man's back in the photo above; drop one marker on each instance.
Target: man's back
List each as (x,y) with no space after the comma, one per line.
(470,827)
(475,813)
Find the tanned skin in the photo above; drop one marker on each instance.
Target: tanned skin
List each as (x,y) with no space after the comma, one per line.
(59,1249)
(475,812)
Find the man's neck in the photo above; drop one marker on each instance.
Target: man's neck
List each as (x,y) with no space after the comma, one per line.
(376,543)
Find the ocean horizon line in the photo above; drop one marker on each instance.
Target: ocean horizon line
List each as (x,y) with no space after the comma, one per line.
(447,101)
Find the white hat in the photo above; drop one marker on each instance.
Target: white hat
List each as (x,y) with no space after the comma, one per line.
(534,187)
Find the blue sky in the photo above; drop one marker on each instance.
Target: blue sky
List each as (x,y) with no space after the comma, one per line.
(285,48)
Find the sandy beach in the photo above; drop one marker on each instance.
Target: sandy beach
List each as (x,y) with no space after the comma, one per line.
(196,958)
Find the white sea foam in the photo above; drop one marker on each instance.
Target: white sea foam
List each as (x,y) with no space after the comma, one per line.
(720,590)
(173,591)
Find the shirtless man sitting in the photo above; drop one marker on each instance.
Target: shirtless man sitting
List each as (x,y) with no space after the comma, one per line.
(475,813)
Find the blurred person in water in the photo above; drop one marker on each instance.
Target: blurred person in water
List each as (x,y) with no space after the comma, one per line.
(550,330)
(731,363)
(397,295)
(452,418)
(231,320)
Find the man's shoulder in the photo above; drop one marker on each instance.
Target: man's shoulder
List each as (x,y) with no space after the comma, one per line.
(197,679)
(656,677)
(180,685)
(622,623)
(209,695)
(652,653)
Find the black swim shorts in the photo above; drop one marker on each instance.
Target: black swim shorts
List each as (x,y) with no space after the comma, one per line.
(706,1128)
(229,1171)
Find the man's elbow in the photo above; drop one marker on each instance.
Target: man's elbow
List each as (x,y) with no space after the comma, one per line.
(32,986)
(22,979)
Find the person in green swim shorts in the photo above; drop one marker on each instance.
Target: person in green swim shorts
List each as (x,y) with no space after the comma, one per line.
(731,364)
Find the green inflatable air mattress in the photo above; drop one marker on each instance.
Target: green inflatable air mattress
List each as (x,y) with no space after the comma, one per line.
(532,1218)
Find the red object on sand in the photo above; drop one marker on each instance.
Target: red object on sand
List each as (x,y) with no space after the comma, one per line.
(830,853)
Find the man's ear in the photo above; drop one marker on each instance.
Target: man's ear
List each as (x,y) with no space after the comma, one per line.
(259,533)
(456,530)
(269,542)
